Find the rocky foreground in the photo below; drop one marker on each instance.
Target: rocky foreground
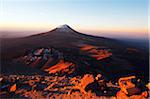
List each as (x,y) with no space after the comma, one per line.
(71,77)
(64,87)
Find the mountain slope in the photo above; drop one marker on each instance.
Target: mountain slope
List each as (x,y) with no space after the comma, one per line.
(58,39)
(71,43)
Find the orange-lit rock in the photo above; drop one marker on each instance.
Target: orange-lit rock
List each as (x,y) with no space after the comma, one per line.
(13,88)
(121,95)
(87,47)
(126,85)
(62,87)
(98,54)
(60,66)
(87,79)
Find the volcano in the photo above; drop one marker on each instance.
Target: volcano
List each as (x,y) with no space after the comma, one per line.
(56,63)
(90,54)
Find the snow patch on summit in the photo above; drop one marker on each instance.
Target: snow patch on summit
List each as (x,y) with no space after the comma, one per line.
(64,28)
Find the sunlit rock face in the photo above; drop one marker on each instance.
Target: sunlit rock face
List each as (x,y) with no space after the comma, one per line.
(96,52)
(61,66)
(49,60)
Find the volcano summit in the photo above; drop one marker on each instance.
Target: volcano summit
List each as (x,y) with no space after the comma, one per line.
(64,28)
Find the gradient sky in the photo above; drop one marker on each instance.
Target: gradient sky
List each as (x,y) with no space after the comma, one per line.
(122,18)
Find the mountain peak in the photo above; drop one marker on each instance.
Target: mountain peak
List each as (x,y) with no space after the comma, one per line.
(64,28)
